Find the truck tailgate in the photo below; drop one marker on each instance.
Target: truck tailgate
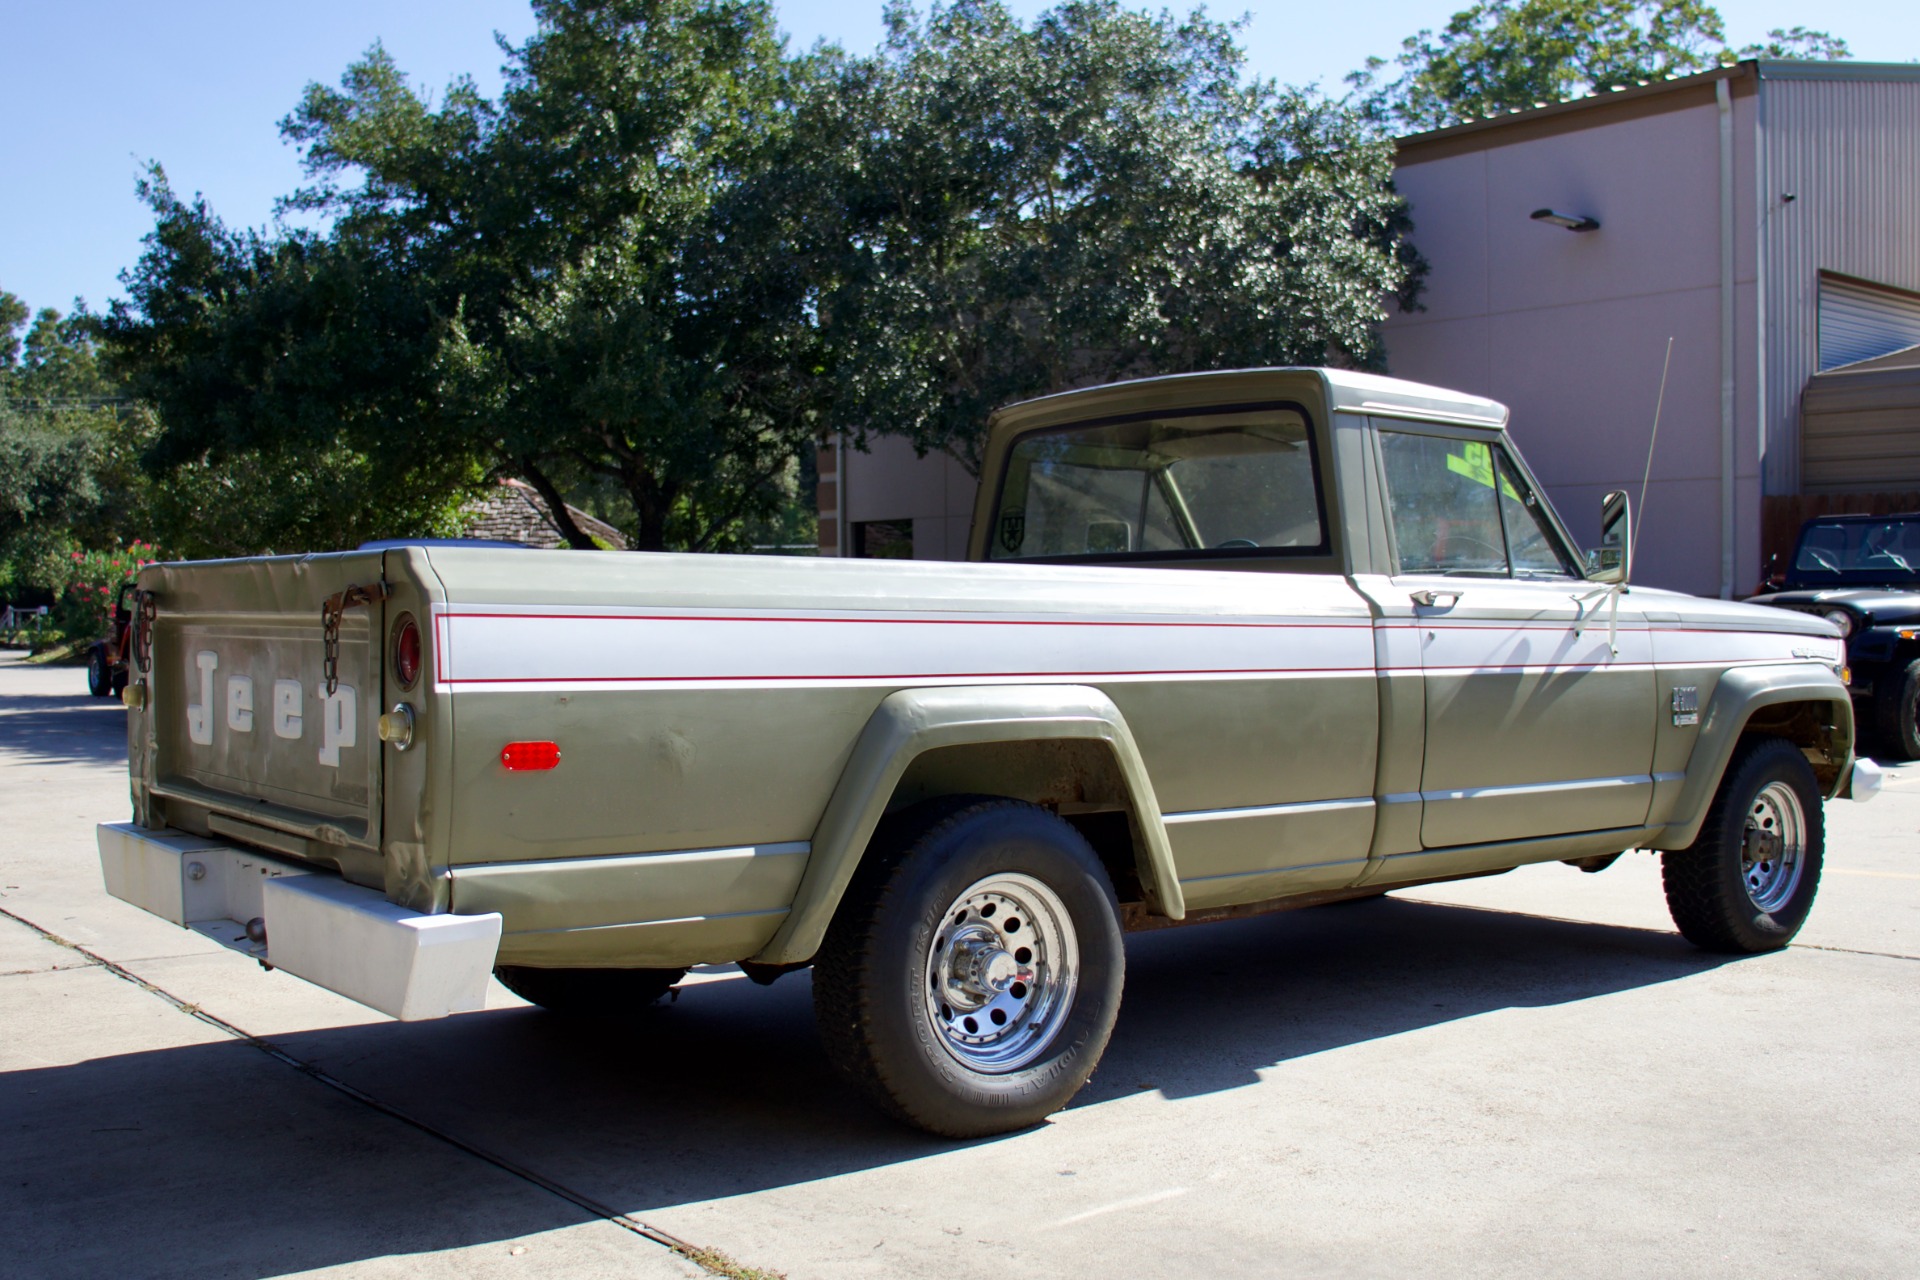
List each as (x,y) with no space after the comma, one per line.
(240,720)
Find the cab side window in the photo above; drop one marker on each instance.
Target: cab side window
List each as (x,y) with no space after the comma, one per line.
(1462,507)
(1531,546)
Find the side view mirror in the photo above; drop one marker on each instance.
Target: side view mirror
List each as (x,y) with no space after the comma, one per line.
(1612,560)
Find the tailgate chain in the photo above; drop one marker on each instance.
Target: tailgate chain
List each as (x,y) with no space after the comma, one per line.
(145,610)
(330,610)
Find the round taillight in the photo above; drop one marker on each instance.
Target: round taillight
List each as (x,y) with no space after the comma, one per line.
(406,651)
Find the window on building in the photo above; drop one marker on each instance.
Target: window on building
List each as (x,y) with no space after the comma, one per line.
(883,540)
(1859,321)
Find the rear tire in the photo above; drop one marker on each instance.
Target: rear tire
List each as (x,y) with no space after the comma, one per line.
(99,673)
(1896,713)
(1747,881)
(587,993)
(971,977)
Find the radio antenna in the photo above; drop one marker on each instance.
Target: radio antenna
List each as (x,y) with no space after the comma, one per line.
(1658,404)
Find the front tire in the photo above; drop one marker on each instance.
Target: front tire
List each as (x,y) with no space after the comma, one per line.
(1896,708)
(586,993)
(1746,883)
(971,978)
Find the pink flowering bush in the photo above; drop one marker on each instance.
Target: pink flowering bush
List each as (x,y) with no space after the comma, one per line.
(93,580)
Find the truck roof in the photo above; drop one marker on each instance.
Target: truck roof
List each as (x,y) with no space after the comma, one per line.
(1340,389)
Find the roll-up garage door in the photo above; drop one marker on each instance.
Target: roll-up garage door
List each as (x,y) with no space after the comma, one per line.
(1859,321)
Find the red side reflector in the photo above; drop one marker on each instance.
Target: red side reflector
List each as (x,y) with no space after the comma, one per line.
(530,755)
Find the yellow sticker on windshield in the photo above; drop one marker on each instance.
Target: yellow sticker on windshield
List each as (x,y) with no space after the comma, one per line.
(1476,464)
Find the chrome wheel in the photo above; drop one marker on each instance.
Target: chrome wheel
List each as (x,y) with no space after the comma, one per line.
(1002,973)
(1773,848)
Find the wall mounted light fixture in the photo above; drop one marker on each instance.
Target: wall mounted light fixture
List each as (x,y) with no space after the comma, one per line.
(1572,222)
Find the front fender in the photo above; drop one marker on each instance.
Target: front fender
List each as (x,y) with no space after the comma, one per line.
(1739,695)
(913,721)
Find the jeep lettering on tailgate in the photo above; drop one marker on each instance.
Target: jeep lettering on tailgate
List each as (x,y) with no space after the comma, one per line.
(339,710)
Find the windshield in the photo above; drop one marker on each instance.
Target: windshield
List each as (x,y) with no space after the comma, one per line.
(1241,480)
(1859,551)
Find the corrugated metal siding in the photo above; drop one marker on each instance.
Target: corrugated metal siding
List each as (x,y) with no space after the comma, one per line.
(1861,431)
(1849,152)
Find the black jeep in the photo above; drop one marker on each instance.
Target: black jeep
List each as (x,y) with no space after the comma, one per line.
(1862,573)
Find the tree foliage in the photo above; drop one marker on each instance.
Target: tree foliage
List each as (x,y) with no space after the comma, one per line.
(62,485)
(1504,55)
(669,257)
(292,407)
(1097,196)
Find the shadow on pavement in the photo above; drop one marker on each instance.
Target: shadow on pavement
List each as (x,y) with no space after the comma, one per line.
(217,1160)
(64,728)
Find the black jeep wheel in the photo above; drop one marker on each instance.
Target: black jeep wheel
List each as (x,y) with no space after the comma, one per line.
(99,673)
(1896,711)
(971,978)
(1748,880)
(583,993)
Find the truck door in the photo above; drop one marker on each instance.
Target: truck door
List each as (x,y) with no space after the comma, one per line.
(1535,724)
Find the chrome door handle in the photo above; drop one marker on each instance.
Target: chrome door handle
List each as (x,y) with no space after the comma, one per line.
(1432,599)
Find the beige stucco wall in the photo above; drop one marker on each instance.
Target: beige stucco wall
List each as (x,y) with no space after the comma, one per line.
(1570,329)
(888,482)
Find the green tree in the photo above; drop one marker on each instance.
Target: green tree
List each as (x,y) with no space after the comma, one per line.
(669,257)
(1098,195)
(61,490)
(13,317)
(292,402)
(563,284)
(588,303)
(1505,55)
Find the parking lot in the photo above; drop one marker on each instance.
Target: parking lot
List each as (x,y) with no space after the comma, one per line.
(1524,1075)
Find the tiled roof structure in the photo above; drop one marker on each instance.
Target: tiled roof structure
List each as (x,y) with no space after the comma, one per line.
(516,512)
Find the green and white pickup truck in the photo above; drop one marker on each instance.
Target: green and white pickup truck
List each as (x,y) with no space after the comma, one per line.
(1228,643)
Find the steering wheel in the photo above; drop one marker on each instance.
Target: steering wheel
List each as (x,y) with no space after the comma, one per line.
(1234,542)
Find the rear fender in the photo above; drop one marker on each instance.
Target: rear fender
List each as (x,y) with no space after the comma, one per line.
(912,722)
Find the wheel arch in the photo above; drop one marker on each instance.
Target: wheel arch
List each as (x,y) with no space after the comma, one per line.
(1805,705)
(1055,745)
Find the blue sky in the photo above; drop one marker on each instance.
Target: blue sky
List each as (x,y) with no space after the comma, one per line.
(93,90)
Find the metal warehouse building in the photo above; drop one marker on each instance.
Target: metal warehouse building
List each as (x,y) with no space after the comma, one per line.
(1765,216)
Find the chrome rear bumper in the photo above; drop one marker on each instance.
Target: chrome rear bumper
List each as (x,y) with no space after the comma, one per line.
(312,924)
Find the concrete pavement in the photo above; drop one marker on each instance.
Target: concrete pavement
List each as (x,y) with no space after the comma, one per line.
(1521,1075)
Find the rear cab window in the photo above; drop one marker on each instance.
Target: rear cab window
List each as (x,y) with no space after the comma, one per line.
(1191,485)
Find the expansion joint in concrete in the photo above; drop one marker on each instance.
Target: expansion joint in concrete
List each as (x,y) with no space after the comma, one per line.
(711,1261)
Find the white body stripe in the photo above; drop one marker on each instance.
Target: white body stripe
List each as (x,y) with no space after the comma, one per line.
(1484,646)
(1461,650)
(1726,648)
(489,648)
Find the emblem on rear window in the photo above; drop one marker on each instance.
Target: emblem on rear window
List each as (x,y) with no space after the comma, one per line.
(1013,529)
